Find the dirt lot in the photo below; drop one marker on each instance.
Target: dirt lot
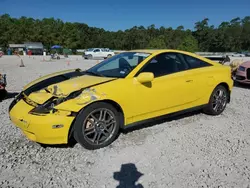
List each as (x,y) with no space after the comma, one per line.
(195,150)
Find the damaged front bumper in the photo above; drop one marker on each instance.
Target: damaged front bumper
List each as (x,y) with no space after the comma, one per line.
(49,123)
(45,129)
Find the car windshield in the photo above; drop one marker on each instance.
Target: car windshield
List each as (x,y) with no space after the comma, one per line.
(90,49)
(118,66)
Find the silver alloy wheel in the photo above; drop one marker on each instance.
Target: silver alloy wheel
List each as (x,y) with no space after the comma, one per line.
(99,126)
(219,100)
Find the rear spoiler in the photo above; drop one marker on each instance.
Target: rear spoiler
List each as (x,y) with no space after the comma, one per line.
(219,59)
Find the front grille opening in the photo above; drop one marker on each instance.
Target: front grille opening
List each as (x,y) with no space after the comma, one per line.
(248,73)
(240,77)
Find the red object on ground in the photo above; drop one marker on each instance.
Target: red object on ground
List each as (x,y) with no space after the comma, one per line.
(29,52)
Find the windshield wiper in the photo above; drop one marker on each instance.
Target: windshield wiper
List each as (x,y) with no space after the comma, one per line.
(94,73)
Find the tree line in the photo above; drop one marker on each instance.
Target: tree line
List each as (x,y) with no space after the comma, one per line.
(231,35)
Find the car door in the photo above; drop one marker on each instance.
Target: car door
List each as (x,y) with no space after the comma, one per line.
(97,53)
(170,89)
(201,75)
(103,53)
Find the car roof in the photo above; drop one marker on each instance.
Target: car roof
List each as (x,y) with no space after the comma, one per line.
(157,51)
(152,51)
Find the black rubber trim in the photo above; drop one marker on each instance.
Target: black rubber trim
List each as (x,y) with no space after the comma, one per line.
(138,123)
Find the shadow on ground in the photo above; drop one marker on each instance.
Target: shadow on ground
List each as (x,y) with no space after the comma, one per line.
(128,176)
(240,85)
(160,120)
(71,143)
(7,95)
(11,95)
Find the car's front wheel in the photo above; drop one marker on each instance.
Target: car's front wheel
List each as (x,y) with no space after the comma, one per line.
(218,101)
(89,56)
(97,126)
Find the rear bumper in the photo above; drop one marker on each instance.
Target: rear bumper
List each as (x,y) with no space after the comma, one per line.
(47,129)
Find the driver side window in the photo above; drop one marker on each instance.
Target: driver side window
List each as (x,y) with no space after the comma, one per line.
(164,64)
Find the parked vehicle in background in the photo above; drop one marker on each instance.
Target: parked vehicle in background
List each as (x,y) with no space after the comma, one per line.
(238,54)
(219,59)
(1,53)
(242,74)
(247,54)
(92,53)
(3,84)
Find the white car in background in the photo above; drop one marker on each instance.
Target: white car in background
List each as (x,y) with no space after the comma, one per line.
(96,53)
(238,54)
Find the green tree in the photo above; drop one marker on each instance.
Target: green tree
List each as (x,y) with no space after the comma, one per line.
(189,43)
(157,43)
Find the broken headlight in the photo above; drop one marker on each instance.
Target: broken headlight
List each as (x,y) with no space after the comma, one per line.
(49,105)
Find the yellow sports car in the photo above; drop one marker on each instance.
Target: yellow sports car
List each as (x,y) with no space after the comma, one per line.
(93,105)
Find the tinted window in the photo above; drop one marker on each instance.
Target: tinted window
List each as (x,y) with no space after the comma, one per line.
(194,62)
(97,50)
(166,63)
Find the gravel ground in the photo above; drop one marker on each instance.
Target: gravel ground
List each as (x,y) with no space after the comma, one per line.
(195,150)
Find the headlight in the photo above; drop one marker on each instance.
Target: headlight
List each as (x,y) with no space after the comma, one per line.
(241,68)
(49,105)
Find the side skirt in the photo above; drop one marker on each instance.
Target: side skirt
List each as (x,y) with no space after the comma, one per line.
(135,124)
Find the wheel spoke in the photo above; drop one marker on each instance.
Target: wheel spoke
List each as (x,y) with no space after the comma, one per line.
(106,129)
(216,107)
(102,115)
(95,136)
(98,137)
(89,129)
(91,132)
(110,123)
(93,116)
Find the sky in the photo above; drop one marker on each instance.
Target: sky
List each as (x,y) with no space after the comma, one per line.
(116,15)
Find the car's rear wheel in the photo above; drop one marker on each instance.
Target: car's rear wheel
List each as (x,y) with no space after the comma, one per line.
(97,126)
(218,101)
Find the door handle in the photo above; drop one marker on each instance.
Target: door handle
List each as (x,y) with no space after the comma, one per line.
(189,80)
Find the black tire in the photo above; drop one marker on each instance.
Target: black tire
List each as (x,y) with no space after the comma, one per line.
(97,127)
(221,102)
(109,56)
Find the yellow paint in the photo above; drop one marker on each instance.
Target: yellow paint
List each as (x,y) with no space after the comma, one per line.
(66,87)
(138,100)
(40,97)
(46,77)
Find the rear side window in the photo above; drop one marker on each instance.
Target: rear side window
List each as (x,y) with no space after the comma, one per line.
(195,63)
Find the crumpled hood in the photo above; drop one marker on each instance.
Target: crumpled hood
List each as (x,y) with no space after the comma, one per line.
(64,88)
